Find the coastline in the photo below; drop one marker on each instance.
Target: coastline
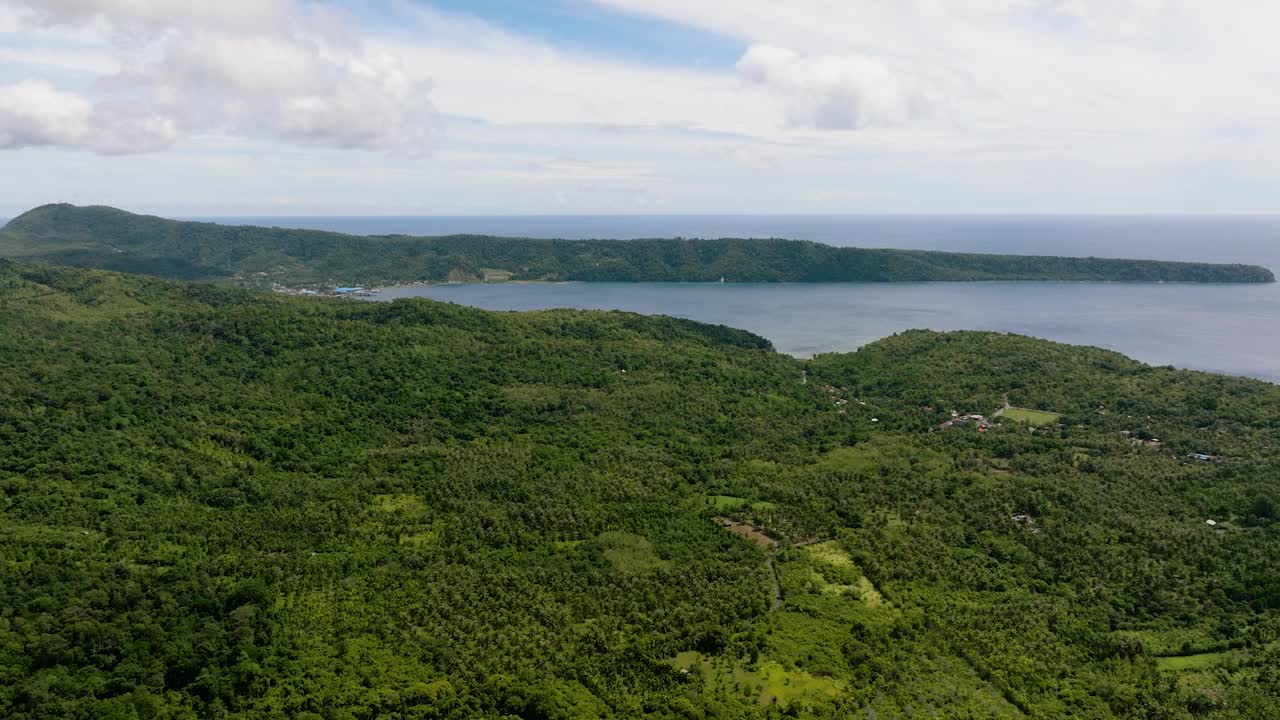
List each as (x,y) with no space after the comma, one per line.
(1208,327)
(382,287)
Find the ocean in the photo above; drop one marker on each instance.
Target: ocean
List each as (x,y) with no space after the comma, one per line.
(1233,329)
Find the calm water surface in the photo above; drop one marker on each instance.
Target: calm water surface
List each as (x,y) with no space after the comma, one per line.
(1223,328)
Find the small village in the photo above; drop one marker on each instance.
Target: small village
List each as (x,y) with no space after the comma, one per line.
(341,291)
(840,402)
(984,423)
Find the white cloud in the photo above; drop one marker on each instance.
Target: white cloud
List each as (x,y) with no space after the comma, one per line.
(268,69)
(35,113)
(159,15)
(46,59)
(1070,64)
(848,92)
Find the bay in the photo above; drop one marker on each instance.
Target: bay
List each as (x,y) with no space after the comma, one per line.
(1220,328)
(1233,329)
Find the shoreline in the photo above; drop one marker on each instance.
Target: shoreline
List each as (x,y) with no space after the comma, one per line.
(803,283)
(804,320)
(331,289)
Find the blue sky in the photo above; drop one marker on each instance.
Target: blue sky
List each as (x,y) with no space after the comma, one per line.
(640,106)
(603,31)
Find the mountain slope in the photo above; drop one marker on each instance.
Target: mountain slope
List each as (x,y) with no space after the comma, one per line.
(116,240)
(223,503)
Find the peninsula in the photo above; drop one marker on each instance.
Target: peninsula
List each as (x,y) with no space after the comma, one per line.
(112,239)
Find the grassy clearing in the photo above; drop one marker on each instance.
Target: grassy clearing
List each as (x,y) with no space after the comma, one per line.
(39,534)
(800,639)
(1031,417)
(421,536)
(1201,661)
(1208,660)
(1178,641)
(869,594)
(401,504)
(893,451)
(729,503)
(787,686)
(769,682)
(401,518)
(833,588)
(204,447)
(940,686)
(830,553)
(630,553)
(848,580)
(726,503)
(863,590)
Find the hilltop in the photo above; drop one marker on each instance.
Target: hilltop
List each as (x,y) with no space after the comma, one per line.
(112,239)
(218,502)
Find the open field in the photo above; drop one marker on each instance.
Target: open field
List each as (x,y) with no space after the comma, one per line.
(726,503)
(1208,660)
(729,503)
(1031,417)
(1200,661)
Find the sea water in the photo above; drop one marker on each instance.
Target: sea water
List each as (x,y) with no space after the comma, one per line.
(1232,329)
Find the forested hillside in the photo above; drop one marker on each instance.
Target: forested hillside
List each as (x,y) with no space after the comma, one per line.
(112,239)
(220,503)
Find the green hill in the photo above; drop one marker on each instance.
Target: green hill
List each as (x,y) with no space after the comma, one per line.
(216,502)
(116,240)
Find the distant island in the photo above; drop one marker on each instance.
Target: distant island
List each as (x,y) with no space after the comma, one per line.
(112,239)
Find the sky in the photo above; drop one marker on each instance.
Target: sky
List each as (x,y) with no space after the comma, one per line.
(490,107)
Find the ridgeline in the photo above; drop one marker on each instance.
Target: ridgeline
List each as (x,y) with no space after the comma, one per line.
(111,239)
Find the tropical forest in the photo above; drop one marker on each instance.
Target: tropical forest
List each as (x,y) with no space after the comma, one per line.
(217,502)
